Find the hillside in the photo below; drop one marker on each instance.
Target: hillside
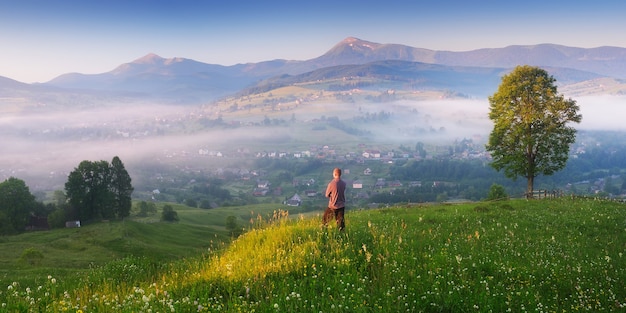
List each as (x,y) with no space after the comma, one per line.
(96,244)
(548,255)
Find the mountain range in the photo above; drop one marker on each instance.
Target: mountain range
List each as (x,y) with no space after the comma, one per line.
(474,73)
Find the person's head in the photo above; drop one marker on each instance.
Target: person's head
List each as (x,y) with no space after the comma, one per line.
(337,172)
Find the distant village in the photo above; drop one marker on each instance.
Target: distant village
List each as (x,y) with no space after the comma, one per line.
(464,149)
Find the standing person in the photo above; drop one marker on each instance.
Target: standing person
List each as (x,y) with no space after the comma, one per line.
(335,192)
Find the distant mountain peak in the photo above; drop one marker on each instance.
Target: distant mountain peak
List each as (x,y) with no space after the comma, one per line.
(358,43)
(350,40)
(149,58)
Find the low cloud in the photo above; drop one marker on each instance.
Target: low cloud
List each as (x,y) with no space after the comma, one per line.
(602,113)
(42,148)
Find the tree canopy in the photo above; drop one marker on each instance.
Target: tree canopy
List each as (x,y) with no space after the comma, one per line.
(99,190)
(121,187)
(16,204)
(531,135)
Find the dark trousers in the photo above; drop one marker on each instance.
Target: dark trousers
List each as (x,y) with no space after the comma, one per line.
(337,214)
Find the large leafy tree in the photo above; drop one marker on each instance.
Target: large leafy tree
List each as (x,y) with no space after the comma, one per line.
(122,188)
(88,192)
(99,190)
(16,203)
(531,133)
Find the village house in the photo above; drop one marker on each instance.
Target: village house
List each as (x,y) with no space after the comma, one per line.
(415,183)
(295,200)
(380,183)
(395,183)
(72,224)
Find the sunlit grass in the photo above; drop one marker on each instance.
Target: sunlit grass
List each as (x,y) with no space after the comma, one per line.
(517,256)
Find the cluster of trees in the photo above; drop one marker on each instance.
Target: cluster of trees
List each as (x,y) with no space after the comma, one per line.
(99,189)
(168,213)
(93,190)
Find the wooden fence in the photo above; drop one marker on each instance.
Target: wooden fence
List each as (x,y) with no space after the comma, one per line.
(546,194)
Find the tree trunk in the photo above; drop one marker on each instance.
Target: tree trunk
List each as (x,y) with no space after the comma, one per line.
(529,187)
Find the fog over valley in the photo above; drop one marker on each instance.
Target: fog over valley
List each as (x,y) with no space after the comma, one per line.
(178,114)
(42,148)
(602,112)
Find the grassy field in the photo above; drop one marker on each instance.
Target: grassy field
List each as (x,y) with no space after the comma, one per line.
(517,256)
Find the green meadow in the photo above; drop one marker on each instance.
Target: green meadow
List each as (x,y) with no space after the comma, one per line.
(559,255)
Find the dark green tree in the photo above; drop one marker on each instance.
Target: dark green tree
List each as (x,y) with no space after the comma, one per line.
(168,214)
(205,204)
(60,199)
(57,218)
(419,149)
(531,135)
(191,203)
(99,190)
(232,226)
(16,203)
(146,208)
(121,187)
(88,191)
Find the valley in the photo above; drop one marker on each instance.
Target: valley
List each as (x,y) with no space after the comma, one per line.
(176,121)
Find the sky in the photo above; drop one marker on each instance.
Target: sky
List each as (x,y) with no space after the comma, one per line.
(42,39)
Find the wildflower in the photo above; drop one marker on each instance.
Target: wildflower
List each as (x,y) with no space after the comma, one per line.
(275,305)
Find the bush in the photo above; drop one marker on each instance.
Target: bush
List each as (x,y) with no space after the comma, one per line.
(191,203)
(168,214)
(496,193)
(31,256)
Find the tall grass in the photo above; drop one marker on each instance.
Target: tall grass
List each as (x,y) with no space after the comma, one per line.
(515,256)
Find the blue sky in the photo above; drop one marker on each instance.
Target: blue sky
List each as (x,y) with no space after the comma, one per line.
(42,39)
